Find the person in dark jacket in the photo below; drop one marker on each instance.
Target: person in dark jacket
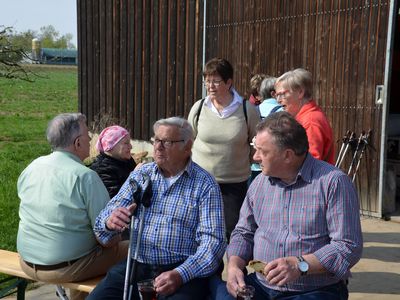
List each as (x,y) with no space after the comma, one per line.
(114,163)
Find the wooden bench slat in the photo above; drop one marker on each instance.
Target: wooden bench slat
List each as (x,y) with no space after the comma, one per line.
(84,286)
(9,264)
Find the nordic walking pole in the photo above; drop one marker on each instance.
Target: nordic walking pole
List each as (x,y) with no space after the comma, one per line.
(340,151)
(345,140)
(350,141)
(363,147)
(355,153)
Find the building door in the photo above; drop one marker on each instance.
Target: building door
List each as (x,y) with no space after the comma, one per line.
(391,140)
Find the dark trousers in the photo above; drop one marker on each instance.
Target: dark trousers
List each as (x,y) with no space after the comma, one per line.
(112,286)
(233,195)
(337,291)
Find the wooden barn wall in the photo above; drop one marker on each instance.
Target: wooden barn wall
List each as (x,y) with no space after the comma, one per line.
(139,60)
(342,43)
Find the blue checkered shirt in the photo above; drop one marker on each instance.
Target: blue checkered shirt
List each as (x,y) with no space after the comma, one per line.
(185,221)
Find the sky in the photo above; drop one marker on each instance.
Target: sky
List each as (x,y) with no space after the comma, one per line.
(23,15)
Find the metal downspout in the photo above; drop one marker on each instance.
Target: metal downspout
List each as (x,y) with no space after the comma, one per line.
(203,94)
(385,110)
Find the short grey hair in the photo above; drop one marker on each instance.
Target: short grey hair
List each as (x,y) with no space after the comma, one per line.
(267,87)
(298,79)
(286,131)
(185,129)
(63,129)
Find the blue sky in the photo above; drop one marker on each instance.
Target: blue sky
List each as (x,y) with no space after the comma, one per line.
(33,14)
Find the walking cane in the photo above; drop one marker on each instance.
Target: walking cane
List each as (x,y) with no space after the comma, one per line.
(131,265)
(136,195)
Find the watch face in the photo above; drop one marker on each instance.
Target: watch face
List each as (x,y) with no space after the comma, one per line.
(303,266)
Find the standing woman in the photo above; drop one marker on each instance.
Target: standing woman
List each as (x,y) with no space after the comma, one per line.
(293,90)
(224,128)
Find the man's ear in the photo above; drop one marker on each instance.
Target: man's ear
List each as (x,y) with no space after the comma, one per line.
(188,145)
(77,142)
(288,155)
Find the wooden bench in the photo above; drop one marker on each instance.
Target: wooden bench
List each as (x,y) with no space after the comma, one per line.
(9,264)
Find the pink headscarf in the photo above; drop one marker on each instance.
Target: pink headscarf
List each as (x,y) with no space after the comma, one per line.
(109,137)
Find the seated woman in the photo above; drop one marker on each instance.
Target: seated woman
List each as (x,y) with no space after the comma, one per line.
(114,163)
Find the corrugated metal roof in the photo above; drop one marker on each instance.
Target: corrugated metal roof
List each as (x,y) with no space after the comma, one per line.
(55,52)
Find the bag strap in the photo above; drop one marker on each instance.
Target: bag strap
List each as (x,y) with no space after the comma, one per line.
(275,109)
(199,110)
(245,110)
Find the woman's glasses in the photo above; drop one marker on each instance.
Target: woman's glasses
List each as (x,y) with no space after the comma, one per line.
(212,82)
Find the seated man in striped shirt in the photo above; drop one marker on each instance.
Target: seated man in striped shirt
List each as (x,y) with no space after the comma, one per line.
(183,238)
(301,219)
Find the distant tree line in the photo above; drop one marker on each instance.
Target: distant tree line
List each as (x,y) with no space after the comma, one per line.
(16,46)
(48,36)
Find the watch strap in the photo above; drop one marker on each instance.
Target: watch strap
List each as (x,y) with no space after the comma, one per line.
(301,259)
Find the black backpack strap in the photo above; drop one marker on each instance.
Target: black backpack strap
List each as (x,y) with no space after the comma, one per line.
(245,109)
(199,110)
(275,109)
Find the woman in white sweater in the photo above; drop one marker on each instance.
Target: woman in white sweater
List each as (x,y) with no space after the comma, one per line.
(224,125)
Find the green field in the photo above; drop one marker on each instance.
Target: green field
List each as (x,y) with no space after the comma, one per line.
(25,109)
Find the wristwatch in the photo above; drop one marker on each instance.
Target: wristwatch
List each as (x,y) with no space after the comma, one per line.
(302,265)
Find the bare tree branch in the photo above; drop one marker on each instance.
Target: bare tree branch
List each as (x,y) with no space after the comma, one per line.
(11,57)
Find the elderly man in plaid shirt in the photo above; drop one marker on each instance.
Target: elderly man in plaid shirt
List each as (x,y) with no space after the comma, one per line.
(183,238)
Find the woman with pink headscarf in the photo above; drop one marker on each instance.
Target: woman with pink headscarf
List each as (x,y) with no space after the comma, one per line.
(114,163)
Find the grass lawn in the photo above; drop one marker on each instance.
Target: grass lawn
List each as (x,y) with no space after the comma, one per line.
(25,109)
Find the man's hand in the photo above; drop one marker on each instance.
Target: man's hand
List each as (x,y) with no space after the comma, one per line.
(282,270)
(120,218)
(235,276)
(234,280)
(168,282)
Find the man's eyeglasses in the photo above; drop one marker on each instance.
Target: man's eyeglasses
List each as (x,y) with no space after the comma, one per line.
(164,143)
(212,82)
(282,95)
